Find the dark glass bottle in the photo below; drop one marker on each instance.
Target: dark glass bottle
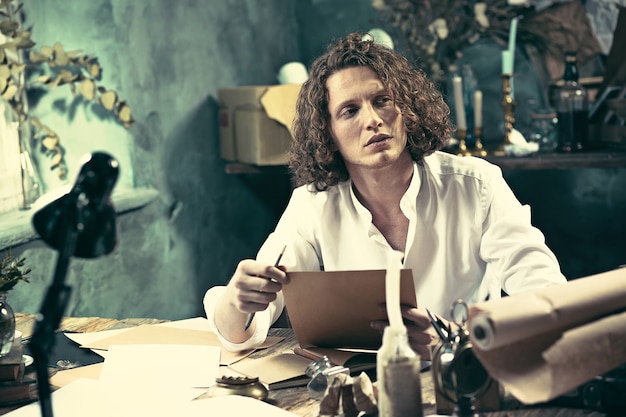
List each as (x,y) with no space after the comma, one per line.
(572,109)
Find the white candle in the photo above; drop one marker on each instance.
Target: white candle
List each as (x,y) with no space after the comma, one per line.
(459,107)
(392,290)
(478,109)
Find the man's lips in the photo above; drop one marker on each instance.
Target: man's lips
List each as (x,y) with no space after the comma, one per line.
(377,139)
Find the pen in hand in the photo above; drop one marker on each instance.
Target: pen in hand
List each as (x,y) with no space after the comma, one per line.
(442,330)
(251,316)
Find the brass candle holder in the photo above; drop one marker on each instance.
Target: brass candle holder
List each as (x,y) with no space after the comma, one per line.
(478,147)
(462,135)
(508,106)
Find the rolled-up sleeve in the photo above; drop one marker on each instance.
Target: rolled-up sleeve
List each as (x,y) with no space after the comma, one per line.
(263,320)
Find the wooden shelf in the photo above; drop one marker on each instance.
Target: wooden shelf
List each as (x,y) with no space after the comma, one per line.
(590,159)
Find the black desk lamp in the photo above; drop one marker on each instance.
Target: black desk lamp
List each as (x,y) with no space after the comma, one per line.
(81,223)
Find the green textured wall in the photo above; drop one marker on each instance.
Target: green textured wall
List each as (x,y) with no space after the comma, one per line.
(168,59)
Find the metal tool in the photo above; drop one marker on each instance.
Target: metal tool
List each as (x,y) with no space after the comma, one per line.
(458,375)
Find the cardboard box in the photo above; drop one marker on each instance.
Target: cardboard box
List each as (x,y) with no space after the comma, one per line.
(255,123)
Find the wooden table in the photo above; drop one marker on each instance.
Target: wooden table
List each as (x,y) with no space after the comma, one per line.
(296,400)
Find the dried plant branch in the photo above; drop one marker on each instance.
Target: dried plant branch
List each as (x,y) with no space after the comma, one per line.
(80,72)
(435,33)
(11,272)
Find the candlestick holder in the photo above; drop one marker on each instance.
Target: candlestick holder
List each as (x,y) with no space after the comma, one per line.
(462,135)
(479,150)
(508,106)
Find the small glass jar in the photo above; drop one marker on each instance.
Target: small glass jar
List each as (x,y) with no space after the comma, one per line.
(320,371)
(543,129)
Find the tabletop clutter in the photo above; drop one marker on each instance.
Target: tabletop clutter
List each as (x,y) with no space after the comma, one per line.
(557,344)
(524,346)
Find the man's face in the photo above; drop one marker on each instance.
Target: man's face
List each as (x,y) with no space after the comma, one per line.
(365,123)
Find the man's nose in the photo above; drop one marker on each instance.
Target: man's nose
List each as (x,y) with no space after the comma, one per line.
(373,119)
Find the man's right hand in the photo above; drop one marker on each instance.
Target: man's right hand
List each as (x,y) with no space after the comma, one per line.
(252,287)
(255,284)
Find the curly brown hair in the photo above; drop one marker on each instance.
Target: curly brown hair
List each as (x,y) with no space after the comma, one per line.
(313,157)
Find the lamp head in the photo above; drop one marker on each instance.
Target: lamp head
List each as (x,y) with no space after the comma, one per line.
(86,209)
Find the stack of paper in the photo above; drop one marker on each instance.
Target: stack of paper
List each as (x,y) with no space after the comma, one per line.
(151,369)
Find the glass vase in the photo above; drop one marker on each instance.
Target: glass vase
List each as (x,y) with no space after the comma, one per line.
(7,325)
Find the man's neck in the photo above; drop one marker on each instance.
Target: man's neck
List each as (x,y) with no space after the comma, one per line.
(380,190)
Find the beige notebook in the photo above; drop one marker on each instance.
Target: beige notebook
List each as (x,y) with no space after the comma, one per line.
(334,309)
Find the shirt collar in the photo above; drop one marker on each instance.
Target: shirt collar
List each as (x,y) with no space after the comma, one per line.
(407,202)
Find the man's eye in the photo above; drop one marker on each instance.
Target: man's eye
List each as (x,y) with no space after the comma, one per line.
(384,100)
(349,112)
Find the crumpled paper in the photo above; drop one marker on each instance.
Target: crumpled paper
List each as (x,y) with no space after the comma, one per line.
(519,146)
(349,397)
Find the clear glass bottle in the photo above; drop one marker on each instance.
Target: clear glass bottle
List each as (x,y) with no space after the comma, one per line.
(7,325)
(572,107)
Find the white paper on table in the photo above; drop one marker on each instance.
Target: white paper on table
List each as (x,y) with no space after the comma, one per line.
(195,323)
(88,397)
(90,337)
(232,405)
(169,373)
(194,331)
(193,366)
(80,398)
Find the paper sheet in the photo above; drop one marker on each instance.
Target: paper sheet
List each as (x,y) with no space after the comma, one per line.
(86,397)
(194,323)
(93,337)
(148,379)
(162,365)
(188,332)
(544,343)
(65,377)
(170,373)
(335,308)
(273,369)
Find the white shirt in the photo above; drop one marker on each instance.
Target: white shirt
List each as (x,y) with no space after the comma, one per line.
(468,238)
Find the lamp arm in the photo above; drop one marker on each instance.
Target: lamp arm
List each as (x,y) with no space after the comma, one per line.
(60,224)
(52,310)
(42,341)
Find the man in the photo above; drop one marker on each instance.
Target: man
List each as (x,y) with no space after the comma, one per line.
(372,181)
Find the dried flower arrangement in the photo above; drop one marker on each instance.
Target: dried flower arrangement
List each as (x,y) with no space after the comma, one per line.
(55,67)
(11,272)
(436,32)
